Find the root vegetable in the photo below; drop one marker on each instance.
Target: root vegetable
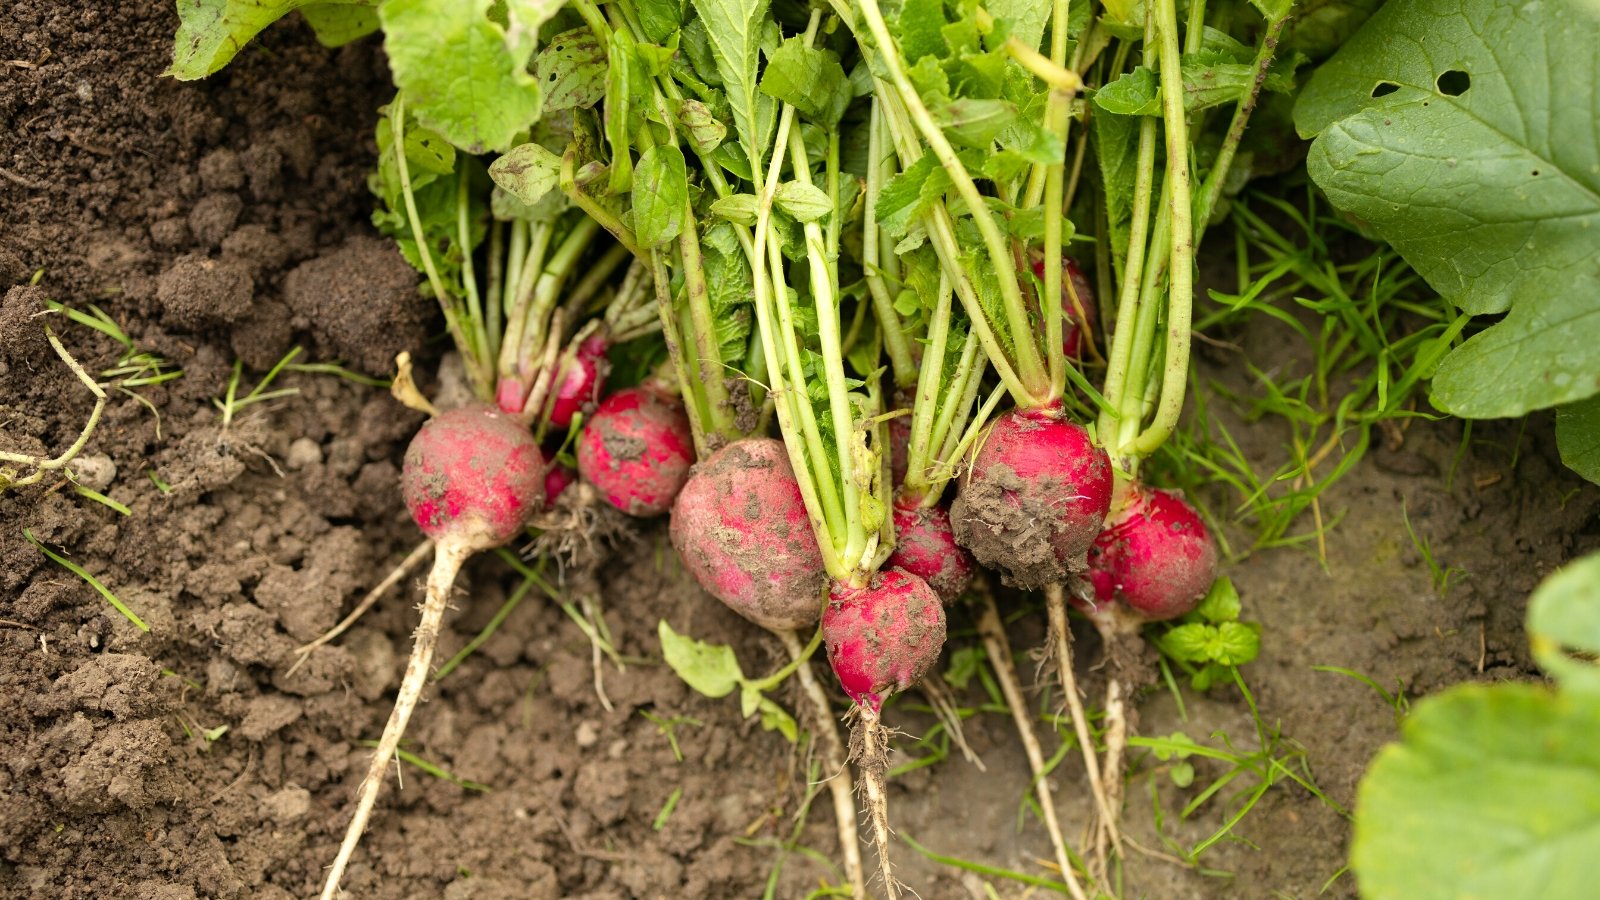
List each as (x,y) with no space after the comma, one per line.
(925,546)
(473,479)
(1155,556)
(579,384)
(740,526)
(1034,499)
(637,449)
(558,476)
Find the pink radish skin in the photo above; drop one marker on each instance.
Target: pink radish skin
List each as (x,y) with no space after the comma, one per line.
(557,477)
(925,546)
(741,529)
(1077,326)
(1155,556)
(579,385)
(1034,498)
(882,638)
(637,449)
(510,394)
(473,479)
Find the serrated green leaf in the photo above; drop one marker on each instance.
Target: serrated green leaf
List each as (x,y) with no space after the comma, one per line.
(910,193)
(919,29)
(733,29)
(974,123)
(464,75)
(1494,791)
(660,194)
(1564,624)
(805,202)
(710,669)
(1134,93)
(1235,644)
(571,70)
(1189,642)
(658,19)
(212,32)
(1578,437)
(336,24)
(1025,18)
(810,79)
(527,171)
(1484,174)
(740,209)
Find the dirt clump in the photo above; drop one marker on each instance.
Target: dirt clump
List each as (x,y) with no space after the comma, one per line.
(361,302)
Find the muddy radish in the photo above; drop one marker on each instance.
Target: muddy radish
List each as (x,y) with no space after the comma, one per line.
(637,449)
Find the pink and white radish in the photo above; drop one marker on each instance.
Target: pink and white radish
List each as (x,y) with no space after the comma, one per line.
(925,546)
(1155,559)
(473,479)
(637,449)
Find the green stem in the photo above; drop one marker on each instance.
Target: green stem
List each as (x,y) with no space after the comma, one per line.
(688,386)
(1122,337)
(494,300)
(1180,295)
(713,380)
(1211,188)
(1030,367)
(954,420)
(920,447)
(476,357)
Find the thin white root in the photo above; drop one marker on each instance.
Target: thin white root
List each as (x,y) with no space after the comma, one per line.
(1109,807)
(395,576)
(1116,735)
(8,475)
(944,708)
(447,562)
(999,650)
(837,770)
(869,747)
(591,610)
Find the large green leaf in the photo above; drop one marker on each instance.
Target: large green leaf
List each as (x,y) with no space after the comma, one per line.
(464,74)
(1477,160)
(1564,625)
(1494,792)
(212,32)
(1578,437)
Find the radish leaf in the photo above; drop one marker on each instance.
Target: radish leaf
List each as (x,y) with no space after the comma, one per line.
(711,669)
(1564,625)
(336,24)
(211,32)
(1442,126)
(1578,437)
(571,71)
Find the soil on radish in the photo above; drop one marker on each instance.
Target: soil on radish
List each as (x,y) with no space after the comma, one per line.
(108,783)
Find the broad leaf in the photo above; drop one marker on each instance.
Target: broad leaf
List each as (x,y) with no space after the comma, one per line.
(212,32)
(527,172)
(464,75)
(1462,132)
(1564,624)
(810,79)
(571,70)
(336,24)
(1578,437)
(660,194)
(733,28)
(1494,791)
(711,669)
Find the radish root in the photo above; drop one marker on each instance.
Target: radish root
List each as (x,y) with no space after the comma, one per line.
(833,762)
(869,749)
(999,650)
(1107,799)
(447,562)
(398,573)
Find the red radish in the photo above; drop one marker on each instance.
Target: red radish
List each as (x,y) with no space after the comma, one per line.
(740,526)
(473,479)
(926,547)
(1034,498)
(558,476)
(1155,555)
(1078,319)
(637,449)
(582,379)
(882,638)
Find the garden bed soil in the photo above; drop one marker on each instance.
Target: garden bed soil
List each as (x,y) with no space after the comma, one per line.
(227,220)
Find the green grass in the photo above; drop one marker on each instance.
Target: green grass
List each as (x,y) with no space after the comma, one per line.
(231,404)
(434,769)
(1371,334)
(92,581)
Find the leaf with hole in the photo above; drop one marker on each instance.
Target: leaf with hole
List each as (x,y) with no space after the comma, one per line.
(1462,132)
(1564,625)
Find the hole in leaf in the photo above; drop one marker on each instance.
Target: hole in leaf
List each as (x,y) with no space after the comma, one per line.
(1536,173)
(1384,89)
(1453,83)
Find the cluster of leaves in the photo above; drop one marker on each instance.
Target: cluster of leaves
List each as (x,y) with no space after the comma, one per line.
(1211,641)
(713,670)
(1441,126)
(1494,789)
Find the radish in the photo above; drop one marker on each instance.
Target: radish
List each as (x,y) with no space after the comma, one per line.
(558,476)
(1155,556)
(637,449)
(579,385)
(925,546)
(884,637)
(740,527)
(1034,498)
(473,479)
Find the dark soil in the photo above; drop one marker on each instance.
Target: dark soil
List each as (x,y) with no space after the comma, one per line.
(227,220)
